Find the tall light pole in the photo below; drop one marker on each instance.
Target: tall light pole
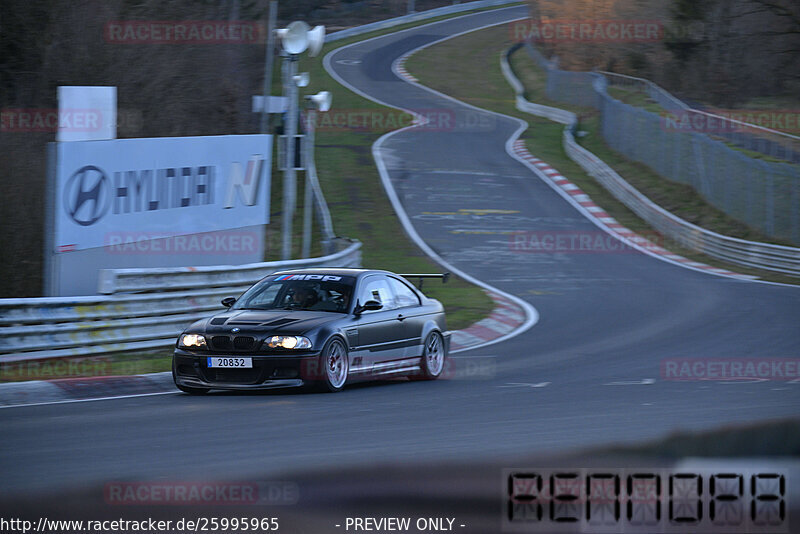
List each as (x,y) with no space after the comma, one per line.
(289,177)
(321,101)
(308,197)
(273,12)
(295,39)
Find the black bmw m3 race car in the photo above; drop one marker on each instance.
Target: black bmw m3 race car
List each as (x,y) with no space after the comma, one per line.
(315,327)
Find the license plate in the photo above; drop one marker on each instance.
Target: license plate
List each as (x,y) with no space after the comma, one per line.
(230,363)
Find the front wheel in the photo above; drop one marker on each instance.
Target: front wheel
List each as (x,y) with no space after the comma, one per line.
(433,356)
(335,365)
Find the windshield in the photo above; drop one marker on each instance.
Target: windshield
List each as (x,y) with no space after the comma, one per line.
(299,292)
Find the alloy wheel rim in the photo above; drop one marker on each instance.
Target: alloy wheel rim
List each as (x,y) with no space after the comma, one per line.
(336,366)
(435,355)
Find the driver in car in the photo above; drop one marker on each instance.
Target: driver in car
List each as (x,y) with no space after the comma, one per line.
(304,297)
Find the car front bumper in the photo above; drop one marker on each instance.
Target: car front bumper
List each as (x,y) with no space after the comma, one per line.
(191,369)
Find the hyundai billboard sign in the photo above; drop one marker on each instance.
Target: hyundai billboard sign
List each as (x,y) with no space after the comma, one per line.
(162,187)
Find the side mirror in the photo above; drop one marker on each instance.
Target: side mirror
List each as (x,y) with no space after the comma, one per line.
(370,305)
(228,301)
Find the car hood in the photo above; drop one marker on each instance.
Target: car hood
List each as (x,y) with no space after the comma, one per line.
(263,321)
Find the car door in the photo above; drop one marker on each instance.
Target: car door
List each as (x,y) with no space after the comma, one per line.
(380,332)
(409,312)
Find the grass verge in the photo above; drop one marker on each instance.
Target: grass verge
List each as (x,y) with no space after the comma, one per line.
(359,206)
(480,82)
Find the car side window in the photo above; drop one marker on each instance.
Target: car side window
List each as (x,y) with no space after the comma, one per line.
(377,288)
(404,295)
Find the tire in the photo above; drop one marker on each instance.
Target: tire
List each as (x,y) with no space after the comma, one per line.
(433,357)
(334,365)
(187,389)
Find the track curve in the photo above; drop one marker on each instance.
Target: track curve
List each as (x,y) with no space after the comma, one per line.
(588,373)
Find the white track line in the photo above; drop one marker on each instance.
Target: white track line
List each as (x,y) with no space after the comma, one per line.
(542,174)
(71,401)
(532,315)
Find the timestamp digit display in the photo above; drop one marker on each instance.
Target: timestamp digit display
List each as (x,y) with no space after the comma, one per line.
(631,500)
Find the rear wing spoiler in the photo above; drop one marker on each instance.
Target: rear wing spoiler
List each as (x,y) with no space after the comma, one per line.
(422,277)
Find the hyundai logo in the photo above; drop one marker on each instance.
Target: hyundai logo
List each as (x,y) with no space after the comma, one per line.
(87,195)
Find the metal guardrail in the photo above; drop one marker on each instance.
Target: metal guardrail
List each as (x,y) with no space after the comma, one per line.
(766,256)
(55,327)
(175,278)
(763,193)
(554,114)
(422,15)
(664,99)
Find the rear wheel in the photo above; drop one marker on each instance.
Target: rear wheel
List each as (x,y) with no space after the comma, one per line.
(335,365)
(433,356)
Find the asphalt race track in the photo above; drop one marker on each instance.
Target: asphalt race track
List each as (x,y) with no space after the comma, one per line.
(589,373)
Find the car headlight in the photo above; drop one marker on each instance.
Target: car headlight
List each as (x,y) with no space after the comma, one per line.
(193,341)
(288,342)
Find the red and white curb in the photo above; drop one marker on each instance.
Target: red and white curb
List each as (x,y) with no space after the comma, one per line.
(36,392)
(608,222)
(504,319)
(401,69)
